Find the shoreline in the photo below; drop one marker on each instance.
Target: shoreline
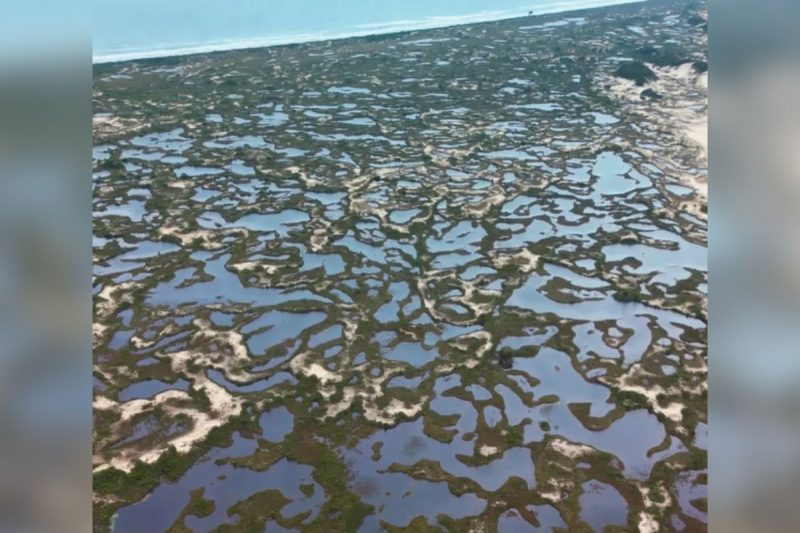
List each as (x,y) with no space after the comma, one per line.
(378,29)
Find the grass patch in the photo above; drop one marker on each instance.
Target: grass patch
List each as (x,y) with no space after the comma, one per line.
(637,72)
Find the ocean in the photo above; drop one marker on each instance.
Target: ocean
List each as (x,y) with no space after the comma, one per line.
(135,29)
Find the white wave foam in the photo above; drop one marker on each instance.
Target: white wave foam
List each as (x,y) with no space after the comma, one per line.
(361,30)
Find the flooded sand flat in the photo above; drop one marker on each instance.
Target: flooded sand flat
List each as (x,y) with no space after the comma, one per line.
(452,278)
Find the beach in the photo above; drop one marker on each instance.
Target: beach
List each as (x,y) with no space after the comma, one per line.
(127,31)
